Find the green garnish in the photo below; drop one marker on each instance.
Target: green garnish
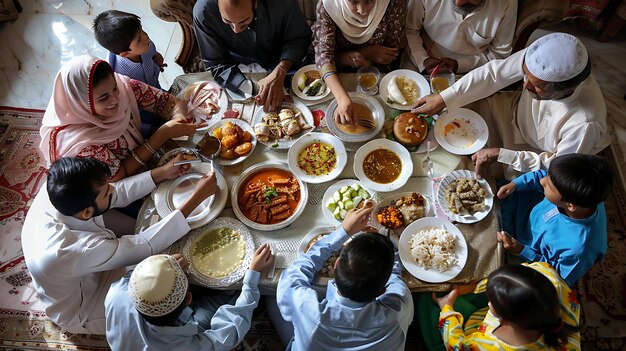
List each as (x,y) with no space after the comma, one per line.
(269,194)
(275,143)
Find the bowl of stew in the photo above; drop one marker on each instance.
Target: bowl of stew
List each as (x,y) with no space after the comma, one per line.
(383,165)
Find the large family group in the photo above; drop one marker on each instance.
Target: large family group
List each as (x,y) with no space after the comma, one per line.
(106,120)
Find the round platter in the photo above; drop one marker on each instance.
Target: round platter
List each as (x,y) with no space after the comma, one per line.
(320,278)
(197,234)
(466,218)
(283,143)
(246,128)
(198,117)
(395,147)
(378,114)
(461,131)
(422,85)
(302,143)
(391,201)
(296,90)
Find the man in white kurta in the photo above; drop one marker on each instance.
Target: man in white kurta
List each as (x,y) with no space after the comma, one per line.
(471,38)
(74,261)
(532,130)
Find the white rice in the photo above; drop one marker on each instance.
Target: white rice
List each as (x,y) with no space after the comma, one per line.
(433,248)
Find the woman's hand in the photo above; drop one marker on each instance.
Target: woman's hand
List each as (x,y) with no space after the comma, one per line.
(430,105)
(380,54)
(178,127)
(344,111)
(169,171)
(352,59)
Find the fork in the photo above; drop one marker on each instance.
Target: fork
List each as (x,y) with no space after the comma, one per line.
(364,122)
(427,164)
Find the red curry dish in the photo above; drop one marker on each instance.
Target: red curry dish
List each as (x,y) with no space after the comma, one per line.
(269,196)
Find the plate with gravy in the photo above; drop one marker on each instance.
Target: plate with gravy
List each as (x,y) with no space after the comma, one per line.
(366,108)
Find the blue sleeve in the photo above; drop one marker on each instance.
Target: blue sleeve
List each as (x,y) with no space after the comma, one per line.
(570,268)
(230,323)
(397,294)
(530,181)
(294,293)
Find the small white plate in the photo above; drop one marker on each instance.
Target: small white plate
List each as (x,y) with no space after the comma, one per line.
(432,275)
(217,116)
(467,132)
(329,193)
(391,201)
(222,222)
(468,218)
(398,149)
(246,128)
(421,82)
(283,143)
(306,140)
(319,278)
(296,90)
(368,101)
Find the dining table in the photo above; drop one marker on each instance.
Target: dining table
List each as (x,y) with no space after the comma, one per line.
(484,255)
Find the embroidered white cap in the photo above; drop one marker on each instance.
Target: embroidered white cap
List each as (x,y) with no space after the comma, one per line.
(157,286)
(556,57)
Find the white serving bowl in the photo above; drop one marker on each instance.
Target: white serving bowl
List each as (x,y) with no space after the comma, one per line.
(398,149)
(308,139)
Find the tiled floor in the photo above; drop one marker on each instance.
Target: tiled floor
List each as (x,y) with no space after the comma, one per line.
(49,32)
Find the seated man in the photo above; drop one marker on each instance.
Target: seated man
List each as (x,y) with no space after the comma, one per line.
(367,306)
(461,34)
(560,110)
(271,33)
(71,255)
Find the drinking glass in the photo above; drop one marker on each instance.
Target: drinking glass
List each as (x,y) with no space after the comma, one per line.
(441,80)
(368,77)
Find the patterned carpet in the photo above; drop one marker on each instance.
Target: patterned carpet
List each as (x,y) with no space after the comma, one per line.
(24,325)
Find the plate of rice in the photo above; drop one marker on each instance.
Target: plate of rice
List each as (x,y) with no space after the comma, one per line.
(433,250)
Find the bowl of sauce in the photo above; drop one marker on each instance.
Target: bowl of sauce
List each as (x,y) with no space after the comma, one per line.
(383,165)
(364,107)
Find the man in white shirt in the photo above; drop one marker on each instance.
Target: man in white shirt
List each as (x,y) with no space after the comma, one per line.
(461,34)
(560,110)
(72,257)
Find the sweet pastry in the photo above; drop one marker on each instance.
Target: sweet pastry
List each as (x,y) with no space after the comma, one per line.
(410,129)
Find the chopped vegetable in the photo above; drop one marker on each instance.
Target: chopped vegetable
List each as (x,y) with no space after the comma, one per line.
(269,194)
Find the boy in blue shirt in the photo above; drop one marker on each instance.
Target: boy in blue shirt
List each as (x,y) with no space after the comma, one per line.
(567,229)
(367,306)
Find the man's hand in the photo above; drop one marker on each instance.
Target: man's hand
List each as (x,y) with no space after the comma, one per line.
(506,190)
(430,63)
(169,171)
(431,105)
(510,244)
(449,63)
(356,219)
(182,262)
(448,299)
(483,158)
(380,54)
(344,113)
(271,92)
(262,259)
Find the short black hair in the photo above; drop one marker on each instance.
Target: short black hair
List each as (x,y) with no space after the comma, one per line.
(115,30)
(72,183)
(168,319)
(571,83)
(102,71)
(583,180)
(364,267)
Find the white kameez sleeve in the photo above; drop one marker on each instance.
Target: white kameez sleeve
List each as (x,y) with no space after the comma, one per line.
(484,81)
(414,23)
(132,188)
(501,45)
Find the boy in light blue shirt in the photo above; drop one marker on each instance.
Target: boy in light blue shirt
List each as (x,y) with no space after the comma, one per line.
(367,306)
(567,229)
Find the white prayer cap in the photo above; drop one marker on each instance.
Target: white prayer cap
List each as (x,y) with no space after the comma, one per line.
(157,286)
(556,57)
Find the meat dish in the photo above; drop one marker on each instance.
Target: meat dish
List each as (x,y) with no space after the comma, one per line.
(269,196)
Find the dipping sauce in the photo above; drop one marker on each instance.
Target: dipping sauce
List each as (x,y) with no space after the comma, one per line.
(360,111)
(317,159)
(219,252)
(367,80)
(270,196)
(382,166)
(209,146)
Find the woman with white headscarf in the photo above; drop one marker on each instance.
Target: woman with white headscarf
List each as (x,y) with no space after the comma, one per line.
(356,33)
(94,112)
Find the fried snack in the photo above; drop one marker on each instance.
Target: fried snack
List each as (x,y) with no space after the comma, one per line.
(390,217)
(246,137)
(229,141)
(229,129)
(228,154)
(465,195)
(243,149)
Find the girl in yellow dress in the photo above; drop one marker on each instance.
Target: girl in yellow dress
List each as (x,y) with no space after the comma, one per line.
(530,308)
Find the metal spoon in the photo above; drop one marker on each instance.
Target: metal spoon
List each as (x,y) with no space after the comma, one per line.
(427,164)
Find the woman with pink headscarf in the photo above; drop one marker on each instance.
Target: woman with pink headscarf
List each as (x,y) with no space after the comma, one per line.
(94,112)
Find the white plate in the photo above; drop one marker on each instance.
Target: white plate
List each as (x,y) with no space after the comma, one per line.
(283,143)
(470,137)
(246,128)
(441,197)
(372,104)
(329,193)
(318,279)
(304,196)
(398,149)
(421,82)
(296,90)
(302,143)
(218,200)
(432,275)
(222,222)
(391,200)
(223,105)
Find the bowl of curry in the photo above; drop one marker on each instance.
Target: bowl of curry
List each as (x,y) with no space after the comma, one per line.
(383,165)
(317,158)
(268,196)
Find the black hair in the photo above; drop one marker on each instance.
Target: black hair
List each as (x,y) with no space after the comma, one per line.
(72,183)
(527,298)
(115,30)
(168,319)
(583,180)
(102,71)
(365,264)
(571,83)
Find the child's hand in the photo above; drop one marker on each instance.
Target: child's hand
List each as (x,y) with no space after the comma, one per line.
(449,299)
(464,289)
(158,59)
(206,186)
(510,244)
(182,262)
(356,219)
(506,190)
(262,259)
(169,171)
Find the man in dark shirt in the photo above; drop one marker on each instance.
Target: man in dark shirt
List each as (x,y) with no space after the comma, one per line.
(272,33)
